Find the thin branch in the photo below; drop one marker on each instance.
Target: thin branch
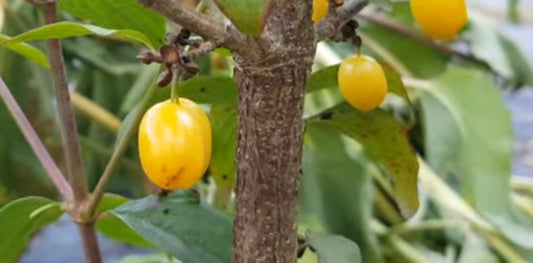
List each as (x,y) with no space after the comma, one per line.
(35,143)
(200,24)
(121,147)
(329,26)
(406,31)
(69,130)
(416,36)
(204,48)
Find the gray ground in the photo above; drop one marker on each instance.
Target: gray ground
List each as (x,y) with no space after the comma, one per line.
(59,243)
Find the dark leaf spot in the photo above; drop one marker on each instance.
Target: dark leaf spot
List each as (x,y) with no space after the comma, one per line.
(224,177)
(202,89)
(326,116)
(166,210)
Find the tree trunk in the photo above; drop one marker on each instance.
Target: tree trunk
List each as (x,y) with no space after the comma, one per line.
(270,128)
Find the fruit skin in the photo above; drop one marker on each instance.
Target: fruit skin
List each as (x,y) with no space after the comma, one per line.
(320,9)
(175,144)
(440,19)
(362,82)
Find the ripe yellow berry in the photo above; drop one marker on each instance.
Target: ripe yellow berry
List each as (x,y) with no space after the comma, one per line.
(362,82)
(175,144)
(320,9)
(440,19)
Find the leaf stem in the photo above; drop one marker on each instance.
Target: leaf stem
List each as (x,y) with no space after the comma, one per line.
(69,130)
(35,143)
(119,151)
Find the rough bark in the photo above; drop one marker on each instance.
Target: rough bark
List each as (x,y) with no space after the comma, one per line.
(270,129)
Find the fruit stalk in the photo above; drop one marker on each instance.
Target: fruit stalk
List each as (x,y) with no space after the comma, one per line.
(176,79)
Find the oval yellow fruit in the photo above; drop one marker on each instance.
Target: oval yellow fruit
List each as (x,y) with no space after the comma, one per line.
(320,9)
(440,19)
(362,82)
(175,144)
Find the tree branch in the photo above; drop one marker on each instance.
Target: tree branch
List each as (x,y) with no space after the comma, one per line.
(69,129)
(35,143)
(416,36)
(330,25)
(204,48)
(195,22)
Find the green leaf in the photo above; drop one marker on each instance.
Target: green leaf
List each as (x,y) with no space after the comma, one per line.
(155,258)
(20,220)
(224,124)
(72,29)
(210,90)
(325,78)
(334,249)
(119,14)
(204,90)
(501,54)
(249,16)
(385,141)
(468,137)
(336,189)
(193,232)
(25,50)
(113,227)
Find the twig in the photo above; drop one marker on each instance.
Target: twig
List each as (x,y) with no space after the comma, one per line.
(69,129)
(35,143)
(71,143)
(416,36)
(204,48)
(408,32)
(104,153)
(121,147)
(201,25)
(329,26)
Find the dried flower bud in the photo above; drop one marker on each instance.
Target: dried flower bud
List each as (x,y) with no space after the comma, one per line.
(169,54)
(164,78)
(147,57)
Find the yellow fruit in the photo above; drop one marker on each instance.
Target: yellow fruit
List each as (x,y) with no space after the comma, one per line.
(362,82)
(320,9)
(175,144)
(440,19)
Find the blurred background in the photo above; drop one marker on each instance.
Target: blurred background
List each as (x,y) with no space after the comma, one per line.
(107,72)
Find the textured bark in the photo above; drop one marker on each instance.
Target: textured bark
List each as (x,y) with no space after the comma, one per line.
(270,128)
